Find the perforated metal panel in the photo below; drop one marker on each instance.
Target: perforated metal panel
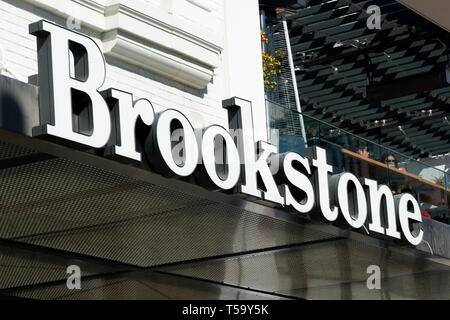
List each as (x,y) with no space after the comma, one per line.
(422,286)
(184,234)
(141,286)
(60,195)
(26,267)
(78,208)
(10,151)
(341,265)
(75,207)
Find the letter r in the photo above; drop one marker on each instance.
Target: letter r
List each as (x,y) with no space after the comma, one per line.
(70,106)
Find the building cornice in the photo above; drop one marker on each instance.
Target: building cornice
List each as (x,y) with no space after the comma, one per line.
(205,5)
(145,36)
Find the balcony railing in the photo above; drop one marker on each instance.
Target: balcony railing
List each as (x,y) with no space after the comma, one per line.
(348,152)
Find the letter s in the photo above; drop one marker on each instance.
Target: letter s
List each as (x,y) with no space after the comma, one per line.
(299,180)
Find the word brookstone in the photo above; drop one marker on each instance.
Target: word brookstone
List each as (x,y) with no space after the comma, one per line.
(72,69)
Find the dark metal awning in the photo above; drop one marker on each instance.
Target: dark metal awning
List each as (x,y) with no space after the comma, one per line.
(136,234)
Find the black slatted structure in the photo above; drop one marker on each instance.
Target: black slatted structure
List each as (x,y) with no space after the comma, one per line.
(337,57)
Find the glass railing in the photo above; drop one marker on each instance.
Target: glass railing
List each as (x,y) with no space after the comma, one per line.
(348,152)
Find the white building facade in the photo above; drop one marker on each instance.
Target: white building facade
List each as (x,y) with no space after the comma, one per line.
(282,227)
(188,55)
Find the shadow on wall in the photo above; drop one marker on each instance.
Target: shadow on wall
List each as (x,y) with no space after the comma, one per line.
(11,116)
(19,106)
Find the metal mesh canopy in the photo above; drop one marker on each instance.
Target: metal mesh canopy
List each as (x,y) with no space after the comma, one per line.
(112,219)
(140,285)
(25,266)
(329,270)
(74,207)
(337,57)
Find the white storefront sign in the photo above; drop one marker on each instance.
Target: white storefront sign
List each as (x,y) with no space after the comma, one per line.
(72,109)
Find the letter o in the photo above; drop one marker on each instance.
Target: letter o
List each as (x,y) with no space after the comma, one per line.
(233,160)
(300,181)
(344,203)
(162,136)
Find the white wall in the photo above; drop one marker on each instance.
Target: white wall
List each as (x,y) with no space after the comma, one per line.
(243,59)
(218,39)
(201,106)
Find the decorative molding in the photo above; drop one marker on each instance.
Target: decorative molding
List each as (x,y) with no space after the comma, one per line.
(166,31)
(156,60)
(149,38)
(98,6)
(201,4)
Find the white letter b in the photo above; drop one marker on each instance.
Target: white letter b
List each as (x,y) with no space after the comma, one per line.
(70,105)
